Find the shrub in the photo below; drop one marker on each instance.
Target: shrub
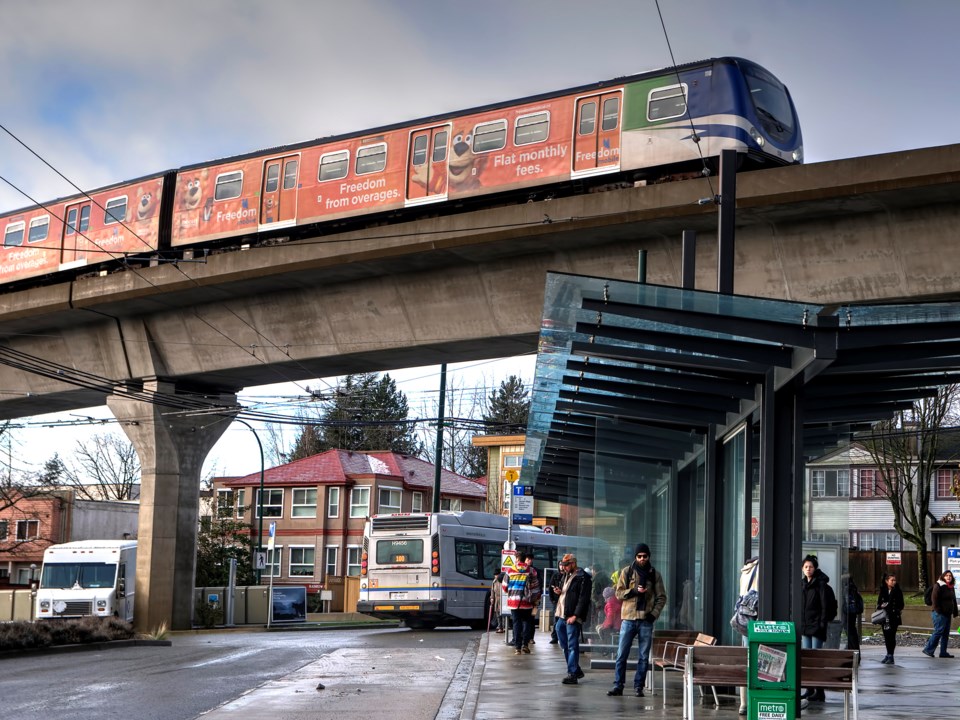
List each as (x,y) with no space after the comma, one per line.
(23,635)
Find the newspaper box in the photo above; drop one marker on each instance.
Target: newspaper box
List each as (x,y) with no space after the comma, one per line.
(772,671)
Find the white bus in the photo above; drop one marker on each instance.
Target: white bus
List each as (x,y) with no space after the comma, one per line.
(431,569)
(87,577)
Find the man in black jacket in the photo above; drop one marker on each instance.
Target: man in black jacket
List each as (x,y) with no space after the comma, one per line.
(573,608)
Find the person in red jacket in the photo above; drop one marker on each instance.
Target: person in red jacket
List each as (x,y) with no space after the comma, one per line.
(522,585)
(611,616)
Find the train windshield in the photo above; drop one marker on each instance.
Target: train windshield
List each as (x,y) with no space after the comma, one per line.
(769,97)
(82,575)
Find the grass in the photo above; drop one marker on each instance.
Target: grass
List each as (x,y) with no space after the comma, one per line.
(909,599)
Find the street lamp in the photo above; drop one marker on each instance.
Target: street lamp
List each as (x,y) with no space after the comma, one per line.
(260,500)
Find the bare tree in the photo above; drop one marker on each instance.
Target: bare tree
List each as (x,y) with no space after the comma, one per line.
(909,449)
(462,419)
(106,467)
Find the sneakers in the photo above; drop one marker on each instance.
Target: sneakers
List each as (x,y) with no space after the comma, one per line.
(639,691)
(887,660)
(615,691)
(579,674)
(742,710)
(569,680)
(946,655)
(803,703)
(517,651)
(928,653)
(500,630)
(526,649)
(818,696)
(554,641)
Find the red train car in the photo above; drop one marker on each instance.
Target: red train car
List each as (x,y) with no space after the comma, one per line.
(86,230)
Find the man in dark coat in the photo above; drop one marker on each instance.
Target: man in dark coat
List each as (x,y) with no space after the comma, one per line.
(573,608)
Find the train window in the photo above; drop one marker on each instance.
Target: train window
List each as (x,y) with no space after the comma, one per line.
(588,118)
(13,235)
(72,221)
(371,159)
(229,185)
(290,175)
(420,150)
(39,229)
(490,136)
(611,113)
(668,102)
(333,166)
(84,219)
(273,177)
(531,129)
(116,210)
(440,146)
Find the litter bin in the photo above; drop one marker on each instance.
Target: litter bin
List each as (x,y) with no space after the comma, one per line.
(772,671)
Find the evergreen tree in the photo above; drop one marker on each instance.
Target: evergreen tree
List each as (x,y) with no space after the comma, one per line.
(508,408)
(366,412)
(220,538)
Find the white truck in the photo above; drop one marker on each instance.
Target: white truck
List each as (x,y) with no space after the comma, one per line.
(87,577)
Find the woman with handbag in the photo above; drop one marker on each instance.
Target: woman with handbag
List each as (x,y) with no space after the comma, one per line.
(889,601)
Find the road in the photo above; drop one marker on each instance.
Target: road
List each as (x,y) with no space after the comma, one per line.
(366,673)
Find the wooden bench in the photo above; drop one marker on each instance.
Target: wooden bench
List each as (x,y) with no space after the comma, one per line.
(727,665)
(672,658)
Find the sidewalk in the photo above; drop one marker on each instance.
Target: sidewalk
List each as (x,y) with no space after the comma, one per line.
(504,685)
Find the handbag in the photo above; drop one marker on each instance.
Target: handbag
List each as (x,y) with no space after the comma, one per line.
(879,617)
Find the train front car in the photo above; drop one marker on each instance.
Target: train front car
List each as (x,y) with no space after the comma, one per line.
(767,128)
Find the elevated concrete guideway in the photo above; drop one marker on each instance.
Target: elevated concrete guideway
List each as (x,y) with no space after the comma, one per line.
(454,287)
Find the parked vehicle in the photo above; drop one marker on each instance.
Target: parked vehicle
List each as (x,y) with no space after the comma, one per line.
(87,577)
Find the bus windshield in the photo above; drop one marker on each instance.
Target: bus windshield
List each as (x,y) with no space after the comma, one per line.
(399,551)
(84,575)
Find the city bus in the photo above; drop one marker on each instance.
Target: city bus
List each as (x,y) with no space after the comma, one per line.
(432,569)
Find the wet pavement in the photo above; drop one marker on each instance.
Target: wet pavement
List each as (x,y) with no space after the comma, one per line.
(504,685)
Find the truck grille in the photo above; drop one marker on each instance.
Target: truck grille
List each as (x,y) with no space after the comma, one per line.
(78,608)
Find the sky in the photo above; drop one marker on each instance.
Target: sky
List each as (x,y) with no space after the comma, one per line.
(134,87)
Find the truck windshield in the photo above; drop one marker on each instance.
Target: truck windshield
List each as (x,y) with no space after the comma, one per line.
(85,575)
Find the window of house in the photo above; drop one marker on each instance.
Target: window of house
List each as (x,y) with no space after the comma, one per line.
(888,541)
(225,503)
(531,129)
(334,166)
(229,185)
(272,503)
(330,561)
(3,530)
(870,483)
(273,561)
(416,504)
(28,529)
(945,478)
(451,504)
(353,559)
(667,102)
(512,461)
(39,229)
(490,136)
(389,500)
(301,561)
(304,503)
(13,235)
(116,210)
(241,496)
(359,502)
(830,483)
(371,159)
(333,502)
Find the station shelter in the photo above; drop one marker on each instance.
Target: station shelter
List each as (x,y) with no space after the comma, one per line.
(684,419)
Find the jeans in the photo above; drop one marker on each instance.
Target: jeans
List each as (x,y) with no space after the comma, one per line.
(810,641)
(630,629)
(568,635)
(941,632)
(522,627)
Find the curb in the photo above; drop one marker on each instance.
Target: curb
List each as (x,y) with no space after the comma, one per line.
(472,695)
(80,647)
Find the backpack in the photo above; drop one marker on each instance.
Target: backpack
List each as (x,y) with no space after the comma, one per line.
(747,610)
(829,603)
(928,595)
(854,603)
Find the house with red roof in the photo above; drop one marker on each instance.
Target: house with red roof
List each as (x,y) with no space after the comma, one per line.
(320,504)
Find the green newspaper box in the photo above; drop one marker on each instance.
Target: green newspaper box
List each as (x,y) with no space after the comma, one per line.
(771,670)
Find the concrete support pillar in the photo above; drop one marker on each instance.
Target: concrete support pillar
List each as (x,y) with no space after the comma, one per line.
(172,447)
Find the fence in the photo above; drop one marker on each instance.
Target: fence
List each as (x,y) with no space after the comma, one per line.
(867,568)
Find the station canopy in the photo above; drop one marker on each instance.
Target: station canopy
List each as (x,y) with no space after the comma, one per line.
(660,370)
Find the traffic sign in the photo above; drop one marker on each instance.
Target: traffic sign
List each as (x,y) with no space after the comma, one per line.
(522,505)
(512,476)
(260,561)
